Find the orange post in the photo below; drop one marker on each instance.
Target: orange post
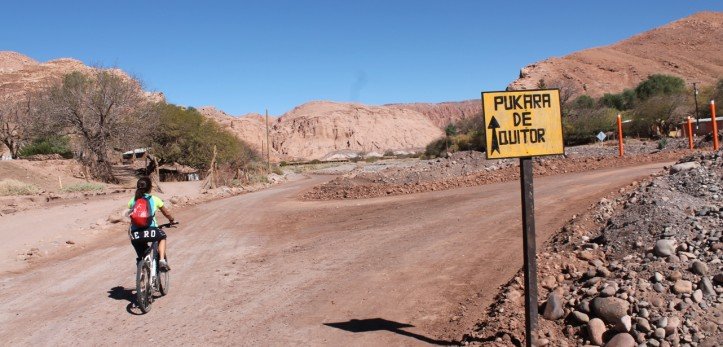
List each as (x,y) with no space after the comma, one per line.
(715,125)
(690,133)
(621,150)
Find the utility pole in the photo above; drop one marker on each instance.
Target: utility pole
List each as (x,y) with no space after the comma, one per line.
(268,151)
(695,95)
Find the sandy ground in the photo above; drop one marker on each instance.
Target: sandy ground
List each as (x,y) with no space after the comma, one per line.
(45,231)
(265,268)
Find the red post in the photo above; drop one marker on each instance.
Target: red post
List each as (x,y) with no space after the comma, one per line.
(715,125)
(621,150)
(690,133)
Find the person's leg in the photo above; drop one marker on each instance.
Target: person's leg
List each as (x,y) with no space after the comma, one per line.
(162,249)
(140,248)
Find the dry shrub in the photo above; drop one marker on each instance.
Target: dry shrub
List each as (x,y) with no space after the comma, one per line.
(14,187)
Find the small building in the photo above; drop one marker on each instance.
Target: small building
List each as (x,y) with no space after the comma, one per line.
(131,156)
(705,126)
(177,173)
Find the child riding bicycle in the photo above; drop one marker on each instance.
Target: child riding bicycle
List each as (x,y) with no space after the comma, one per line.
(144,227)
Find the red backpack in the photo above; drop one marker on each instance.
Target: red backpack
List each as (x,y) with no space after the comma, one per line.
(142,215)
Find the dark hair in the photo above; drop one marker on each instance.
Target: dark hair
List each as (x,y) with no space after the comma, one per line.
(143,186)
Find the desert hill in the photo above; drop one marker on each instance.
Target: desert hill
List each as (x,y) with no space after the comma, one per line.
(689,48)
(444,113)
(327,130)
(250,127)
(20,74)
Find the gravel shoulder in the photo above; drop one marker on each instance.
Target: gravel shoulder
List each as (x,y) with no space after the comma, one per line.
(643,266)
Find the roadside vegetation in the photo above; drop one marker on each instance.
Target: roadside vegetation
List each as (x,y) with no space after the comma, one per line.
(653,109)
(83,187)
(186,137)
(10,187)
(53,144)
(93,117)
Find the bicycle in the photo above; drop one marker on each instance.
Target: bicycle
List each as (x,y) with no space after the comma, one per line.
(148,279)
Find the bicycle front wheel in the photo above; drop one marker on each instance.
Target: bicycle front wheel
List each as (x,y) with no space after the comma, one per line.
(164,282)
(144,290)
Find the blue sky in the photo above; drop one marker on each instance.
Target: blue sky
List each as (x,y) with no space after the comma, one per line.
(247,56)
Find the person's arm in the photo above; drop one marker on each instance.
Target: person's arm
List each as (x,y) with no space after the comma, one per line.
(167,213)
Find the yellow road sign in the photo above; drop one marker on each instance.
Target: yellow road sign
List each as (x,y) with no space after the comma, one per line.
(522,123)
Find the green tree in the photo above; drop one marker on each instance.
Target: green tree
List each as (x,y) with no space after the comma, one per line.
(658,115)
(659,84)
(186,137)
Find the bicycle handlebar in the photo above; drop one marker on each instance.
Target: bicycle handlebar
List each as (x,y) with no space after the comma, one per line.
(167,225)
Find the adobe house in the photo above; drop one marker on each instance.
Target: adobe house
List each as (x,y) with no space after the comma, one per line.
(177,173)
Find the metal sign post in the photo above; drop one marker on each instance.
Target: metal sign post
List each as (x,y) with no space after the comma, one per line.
(524,124)
(529,245)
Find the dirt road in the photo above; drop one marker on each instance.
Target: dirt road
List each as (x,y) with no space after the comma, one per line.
(268,269)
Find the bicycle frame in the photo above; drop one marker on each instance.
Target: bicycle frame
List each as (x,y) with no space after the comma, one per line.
(151,257)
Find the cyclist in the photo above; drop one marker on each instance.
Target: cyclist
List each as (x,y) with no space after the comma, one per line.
(143,190)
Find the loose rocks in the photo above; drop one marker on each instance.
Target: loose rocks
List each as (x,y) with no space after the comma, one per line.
(621,340)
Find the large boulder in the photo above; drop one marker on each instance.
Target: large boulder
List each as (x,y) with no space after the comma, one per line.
(609,309)
(683,287)
(553,308)
(664,248)
(684,166)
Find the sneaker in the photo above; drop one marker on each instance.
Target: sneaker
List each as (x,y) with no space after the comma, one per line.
(163,265)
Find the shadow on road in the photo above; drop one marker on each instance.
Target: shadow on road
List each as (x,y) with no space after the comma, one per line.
(120,293)
(377,324)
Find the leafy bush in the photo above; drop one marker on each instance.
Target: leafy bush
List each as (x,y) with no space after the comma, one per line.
(436,148)
(186,137)
(657,115)
(277,170)
(582,128)
(83,187)
(14,187)
(48,145)
(659,84)
(583,102)
(450,130)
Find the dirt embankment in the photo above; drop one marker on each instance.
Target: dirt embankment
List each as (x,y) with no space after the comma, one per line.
(643,267)
(466,169)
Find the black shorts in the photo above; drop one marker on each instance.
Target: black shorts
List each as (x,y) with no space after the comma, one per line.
(141,238)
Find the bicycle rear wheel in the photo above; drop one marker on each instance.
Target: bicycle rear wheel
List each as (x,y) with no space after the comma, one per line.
(144,290)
